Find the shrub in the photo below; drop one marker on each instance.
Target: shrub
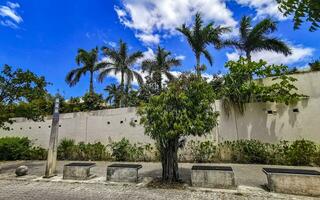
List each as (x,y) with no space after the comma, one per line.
(38,153)
(69,150)
(301,152)
(316,158)
(243,151)
(278,153)
(123,150)
(66,149)
(16,148)
(201,151)
(96,151)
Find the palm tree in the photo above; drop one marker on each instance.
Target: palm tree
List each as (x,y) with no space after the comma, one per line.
(120,61)
(89,64)
(113,94)
(253,39)
(160,65)
(199,37)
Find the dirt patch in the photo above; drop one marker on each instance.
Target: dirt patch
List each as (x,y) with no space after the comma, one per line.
(159,184)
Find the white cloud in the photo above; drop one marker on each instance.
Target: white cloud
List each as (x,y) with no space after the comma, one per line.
(263,8)
(8,23)
(149,38)
(299,54)
(112,44)
(151,19)
(180,57)
(9,15)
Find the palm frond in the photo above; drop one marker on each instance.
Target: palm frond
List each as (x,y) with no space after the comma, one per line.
(138,77)
(274,44)
(245,27)
(106,71)
(73,77)
(266,26)
(208,56)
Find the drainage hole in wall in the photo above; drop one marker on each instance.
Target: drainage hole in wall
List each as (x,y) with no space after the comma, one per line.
(295,110)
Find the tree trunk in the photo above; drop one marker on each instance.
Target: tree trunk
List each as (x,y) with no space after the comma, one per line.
(91,90)
(122,89)
(169,160)
(198,65)
(159,81)
(248,55)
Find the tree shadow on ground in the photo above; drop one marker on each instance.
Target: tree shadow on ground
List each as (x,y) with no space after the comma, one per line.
(185,174)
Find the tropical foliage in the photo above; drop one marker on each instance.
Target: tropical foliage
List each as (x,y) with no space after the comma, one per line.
(244,84)
(160,65)
(315,65)
(22,94)
(120,61)
(114,95)
(184,109)
(308,10)
(253,39)
(200,36)
(89,64)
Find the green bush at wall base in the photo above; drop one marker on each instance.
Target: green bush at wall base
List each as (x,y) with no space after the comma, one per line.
(16,148)
(299,152)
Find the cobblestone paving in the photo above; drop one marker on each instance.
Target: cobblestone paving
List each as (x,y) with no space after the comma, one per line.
(29,190)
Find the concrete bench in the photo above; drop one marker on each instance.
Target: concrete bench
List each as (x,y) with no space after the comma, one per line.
(123,172)
(212,176)
(78,171)
(293,181)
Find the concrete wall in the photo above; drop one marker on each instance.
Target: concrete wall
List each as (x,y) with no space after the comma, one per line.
(87,127)
(268,122)
(271,122)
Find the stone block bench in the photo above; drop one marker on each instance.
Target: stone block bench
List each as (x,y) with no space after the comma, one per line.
(293,181)
(123,172)
(78,171)
(212,176)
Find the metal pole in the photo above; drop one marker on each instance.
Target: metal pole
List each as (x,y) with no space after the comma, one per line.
(53,143)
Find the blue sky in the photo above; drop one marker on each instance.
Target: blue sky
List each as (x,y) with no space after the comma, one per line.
(44,36)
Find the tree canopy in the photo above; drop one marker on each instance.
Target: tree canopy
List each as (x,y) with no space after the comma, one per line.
(22,94)
(184,109)
(256,38)
(244,84)
(200,36)
(89,64)
(308,10)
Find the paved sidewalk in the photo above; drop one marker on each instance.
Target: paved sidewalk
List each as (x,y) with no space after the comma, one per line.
(29,190)
(249,175)
(249,178)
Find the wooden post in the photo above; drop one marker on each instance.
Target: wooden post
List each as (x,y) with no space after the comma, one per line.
(53,143)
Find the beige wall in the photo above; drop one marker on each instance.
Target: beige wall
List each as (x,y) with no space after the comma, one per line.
(283,123)
(255,123)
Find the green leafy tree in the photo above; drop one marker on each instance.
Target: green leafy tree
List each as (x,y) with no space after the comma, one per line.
(308,10)
(315,65)
(254,39)
(149,89)
(89,64)
(244,84)
(184,109)
(93,102)
(114,94)
(200,36)
(22,94)
(160,65)
(120,61)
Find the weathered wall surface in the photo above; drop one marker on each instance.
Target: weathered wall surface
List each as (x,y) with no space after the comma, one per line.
(267,122)
(272,122)
(87,127)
